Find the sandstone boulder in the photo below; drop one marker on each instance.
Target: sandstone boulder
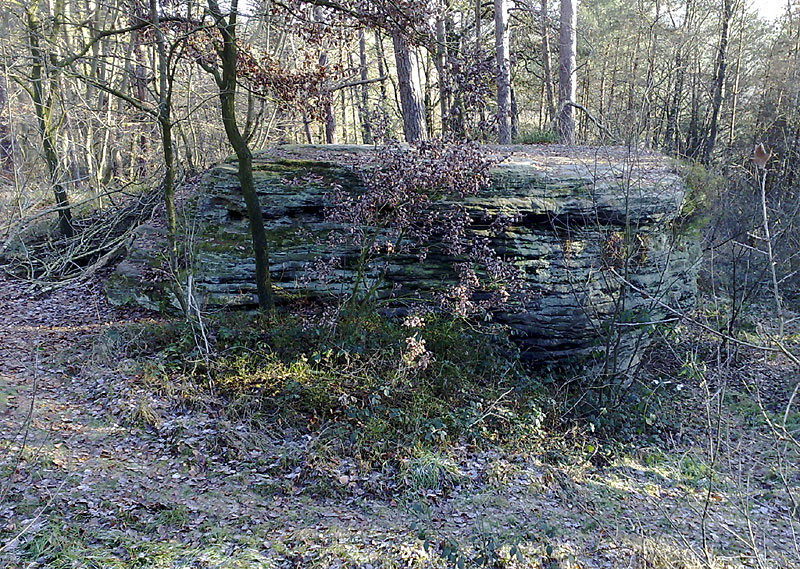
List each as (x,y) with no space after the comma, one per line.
(599,240)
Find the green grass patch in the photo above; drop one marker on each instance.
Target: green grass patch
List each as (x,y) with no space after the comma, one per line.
(533,135)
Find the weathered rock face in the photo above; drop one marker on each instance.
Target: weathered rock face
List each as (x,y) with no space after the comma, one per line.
(596,240)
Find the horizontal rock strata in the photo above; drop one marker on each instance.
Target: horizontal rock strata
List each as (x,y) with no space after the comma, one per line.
(596,237)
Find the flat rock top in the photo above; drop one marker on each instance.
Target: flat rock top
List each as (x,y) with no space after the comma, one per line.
(555,160)
(613,182)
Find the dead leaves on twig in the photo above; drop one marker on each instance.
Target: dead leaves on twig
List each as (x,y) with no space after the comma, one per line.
(761,156)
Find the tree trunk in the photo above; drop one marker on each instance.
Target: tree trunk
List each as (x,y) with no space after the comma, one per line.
(514,116)
(140,84)
(43,108)
(735,93)
(227,95)
(330,115)
(165,124)
(548,73)
(441,68)
(693,134)
(601,96)
(342,93)
(384,97)
(673,108)
(330,120)
(478,18)
(363,111)
(503,71)
(425,83)
(414,126)
(568,44)
(719,80)
(6,141)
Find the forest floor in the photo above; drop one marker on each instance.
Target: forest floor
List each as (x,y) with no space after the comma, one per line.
(99,470)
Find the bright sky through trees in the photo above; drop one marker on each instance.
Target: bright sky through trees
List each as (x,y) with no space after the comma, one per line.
(770,9)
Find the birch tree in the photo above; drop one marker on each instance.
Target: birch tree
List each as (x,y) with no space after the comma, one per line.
(503,71)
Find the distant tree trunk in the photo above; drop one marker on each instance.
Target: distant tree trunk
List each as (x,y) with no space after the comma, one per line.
(632,76)
(612,84)
(514,116)
(583,122)
(363,110)
(307,128)
(719,80)
(425,73)
(139,162)
(342,95)
(735,93)
(414,126)
(568,45)
(693,141)
(456,110)
(647,107)
(226,81)
(330,116)
(6,141)
(43,95)
(548,73)
(479,54)
(601,96)
(165,123)
(330,120)
(673,107)
(441,67)
(478,17)
(384,97)
(503,71)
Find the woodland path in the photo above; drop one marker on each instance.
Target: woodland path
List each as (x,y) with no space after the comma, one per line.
(88,481)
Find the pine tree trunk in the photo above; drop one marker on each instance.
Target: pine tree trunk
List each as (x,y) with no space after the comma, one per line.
(568,44)
(414,126)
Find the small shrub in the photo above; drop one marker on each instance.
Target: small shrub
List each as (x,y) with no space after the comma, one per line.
(533,135)
(428,470)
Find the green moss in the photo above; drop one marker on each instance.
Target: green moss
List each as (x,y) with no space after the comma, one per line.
(701,185)
(293,169)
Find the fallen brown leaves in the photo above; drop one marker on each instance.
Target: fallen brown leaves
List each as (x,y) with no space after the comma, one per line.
(89,480)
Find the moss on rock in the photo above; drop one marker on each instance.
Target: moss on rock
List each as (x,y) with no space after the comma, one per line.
(587,215)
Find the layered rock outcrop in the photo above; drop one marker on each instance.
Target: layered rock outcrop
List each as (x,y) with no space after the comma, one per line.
(597,237)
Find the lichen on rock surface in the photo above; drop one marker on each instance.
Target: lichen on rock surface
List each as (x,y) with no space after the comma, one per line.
(593,234)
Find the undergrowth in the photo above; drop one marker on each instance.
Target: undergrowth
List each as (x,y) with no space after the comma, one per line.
(384,390)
